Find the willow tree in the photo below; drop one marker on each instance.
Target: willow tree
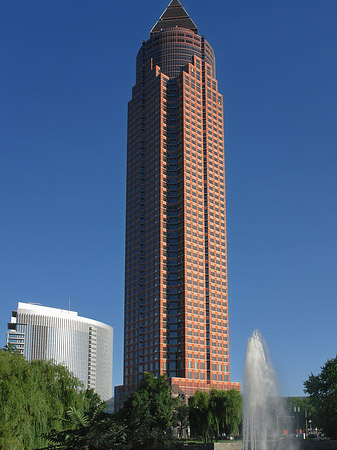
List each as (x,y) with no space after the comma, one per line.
(34,398)
(226,410)
(201,419)
(212,414)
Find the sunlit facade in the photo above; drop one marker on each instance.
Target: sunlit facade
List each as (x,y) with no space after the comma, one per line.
(176,304)
(83,345)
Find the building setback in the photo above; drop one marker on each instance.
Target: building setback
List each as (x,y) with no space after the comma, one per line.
(83,345)
(176,304)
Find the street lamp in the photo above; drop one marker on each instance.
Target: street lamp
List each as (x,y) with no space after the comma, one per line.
(297,409)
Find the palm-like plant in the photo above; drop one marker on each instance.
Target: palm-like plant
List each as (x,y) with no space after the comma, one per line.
(88,430)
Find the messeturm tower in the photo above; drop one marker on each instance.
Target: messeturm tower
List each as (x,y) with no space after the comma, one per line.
(176,303)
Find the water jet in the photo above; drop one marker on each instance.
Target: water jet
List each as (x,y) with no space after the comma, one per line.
(264,420)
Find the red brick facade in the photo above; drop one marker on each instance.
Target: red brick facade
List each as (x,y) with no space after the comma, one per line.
(176,298)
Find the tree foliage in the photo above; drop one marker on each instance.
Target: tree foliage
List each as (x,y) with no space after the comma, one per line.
(145,422)
(200,415)
(148,415)
(89,430)
(182,418)
(34,398)
(45,407)
(214,413)
(302,410)
(229,412)
(322,390)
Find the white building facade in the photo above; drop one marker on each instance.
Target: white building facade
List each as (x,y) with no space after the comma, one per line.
(84,346)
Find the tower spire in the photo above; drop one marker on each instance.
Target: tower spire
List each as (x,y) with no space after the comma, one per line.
(174,15)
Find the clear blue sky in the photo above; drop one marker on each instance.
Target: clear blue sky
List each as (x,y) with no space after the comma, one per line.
(67,69)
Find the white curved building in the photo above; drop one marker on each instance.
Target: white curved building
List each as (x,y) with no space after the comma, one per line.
(83,345)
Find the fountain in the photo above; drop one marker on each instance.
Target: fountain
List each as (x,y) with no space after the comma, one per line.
(264,419)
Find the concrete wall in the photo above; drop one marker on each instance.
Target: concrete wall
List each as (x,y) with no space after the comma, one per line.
(237,445)
(317,445)
(230,445)
(226,445)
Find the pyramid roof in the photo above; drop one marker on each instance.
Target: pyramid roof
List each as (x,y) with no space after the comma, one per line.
(174,15)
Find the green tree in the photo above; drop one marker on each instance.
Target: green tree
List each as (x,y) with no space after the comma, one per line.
(214,413)
(200,416)
(34,396)
(302,410)
(90,430)
(322,391)
(145,422)
(181,416)
(226,409)
(148,415)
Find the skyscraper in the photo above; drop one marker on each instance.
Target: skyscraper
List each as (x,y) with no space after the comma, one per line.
(83,345)
(176,307)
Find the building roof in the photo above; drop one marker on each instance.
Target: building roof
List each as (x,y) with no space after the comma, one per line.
(174,16)
(47,311)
